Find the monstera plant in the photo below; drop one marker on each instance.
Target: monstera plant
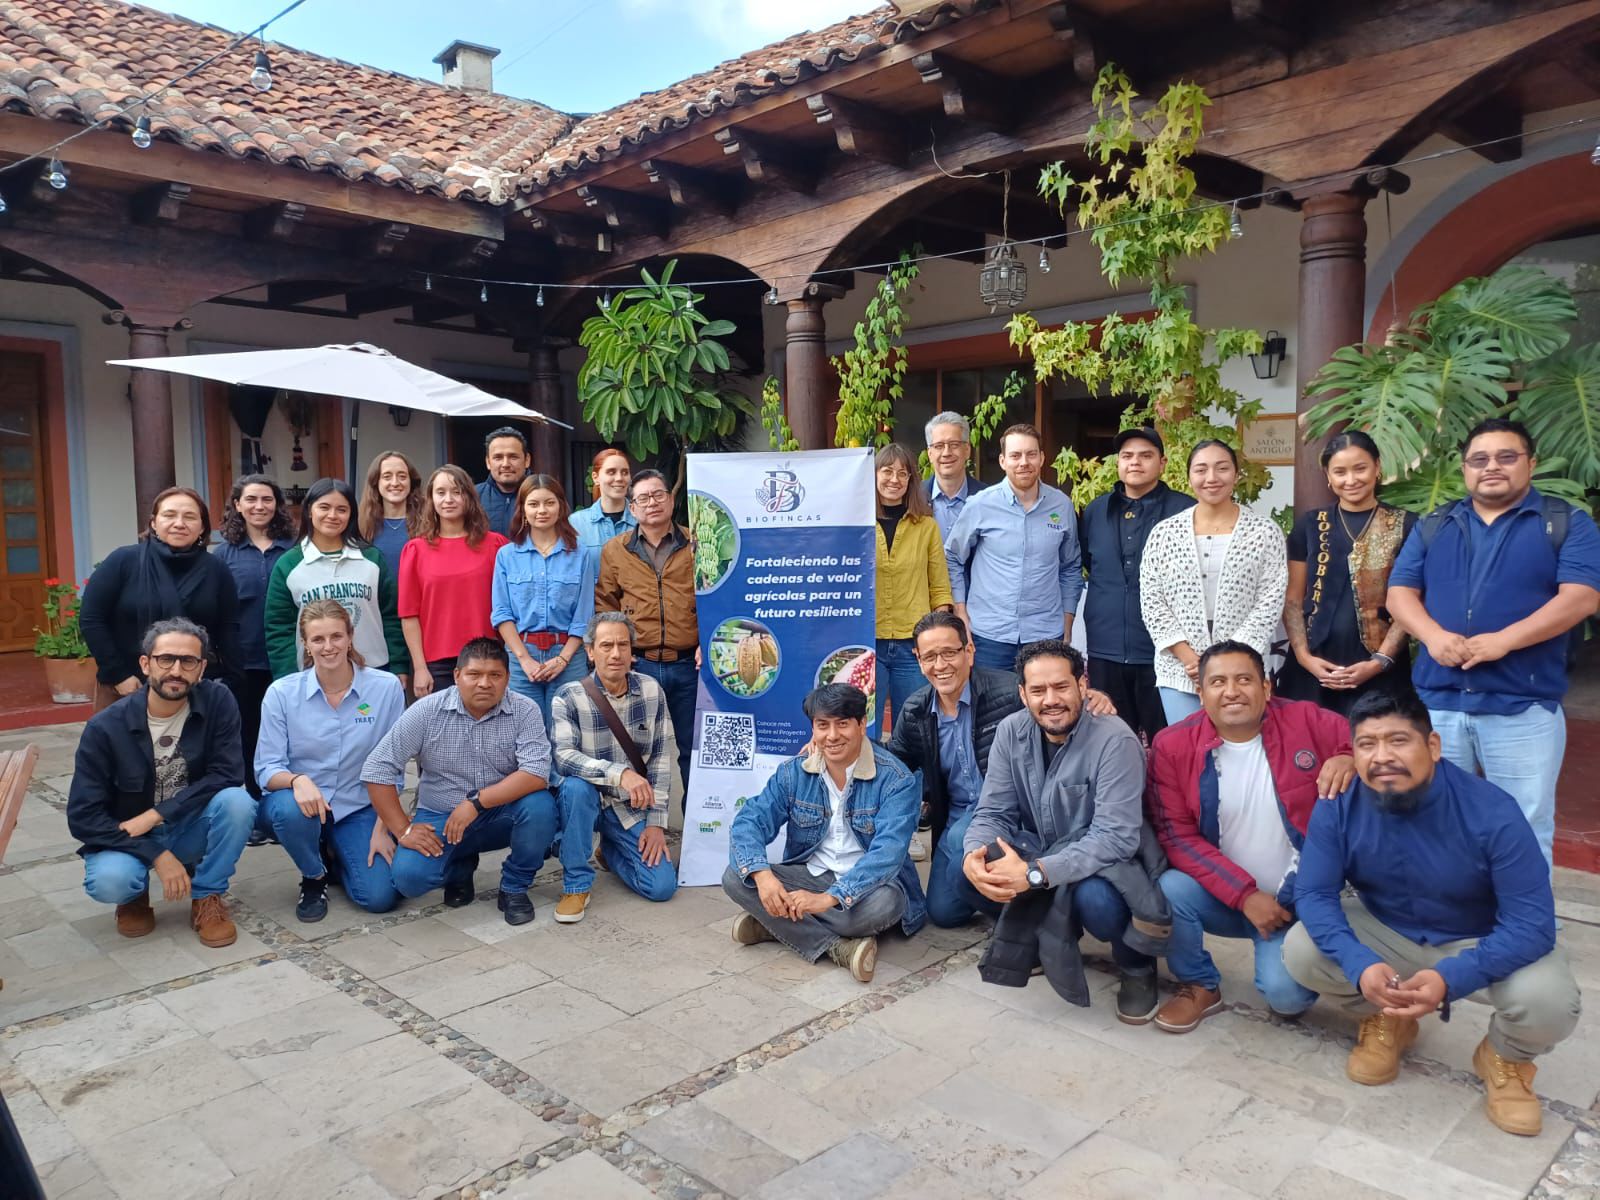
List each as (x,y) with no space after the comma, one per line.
(1496,345)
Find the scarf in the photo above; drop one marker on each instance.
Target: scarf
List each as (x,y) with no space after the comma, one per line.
(167,580)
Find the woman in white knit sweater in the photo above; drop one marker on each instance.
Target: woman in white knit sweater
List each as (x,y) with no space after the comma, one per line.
(1215,572)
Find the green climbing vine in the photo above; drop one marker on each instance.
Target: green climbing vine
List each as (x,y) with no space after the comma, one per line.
(872,372)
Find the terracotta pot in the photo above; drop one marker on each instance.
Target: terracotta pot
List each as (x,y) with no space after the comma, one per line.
(71,680)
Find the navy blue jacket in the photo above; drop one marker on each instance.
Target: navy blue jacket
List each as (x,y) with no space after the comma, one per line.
(1515,573)
(497,506)
(1112,534)
(1464,864)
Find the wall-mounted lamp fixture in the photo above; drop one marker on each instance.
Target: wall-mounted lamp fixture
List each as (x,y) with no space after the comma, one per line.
(1267,362)
(400,416)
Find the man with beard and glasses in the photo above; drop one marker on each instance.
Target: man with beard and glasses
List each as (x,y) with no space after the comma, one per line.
(1055,846)
(1452,902)
(158,784)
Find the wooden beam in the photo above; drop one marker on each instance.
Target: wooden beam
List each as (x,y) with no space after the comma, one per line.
(969,93)
(1493,128)
(1224,179)
(384,238)
(431,312)
(1085,34)
(274,222)
(26,187)
(695,190)
(769,161)
(573,233)
(296,292)
(465,258)
(268,306)
(376,299)
(860,129)
(163,202)
(626,212)
(1280,23)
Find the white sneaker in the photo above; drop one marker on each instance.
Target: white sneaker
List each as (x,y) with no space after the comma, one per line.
(919,847)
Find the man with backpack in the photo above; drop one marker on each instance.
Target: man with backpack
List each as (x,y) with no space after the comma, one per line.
(1491,586)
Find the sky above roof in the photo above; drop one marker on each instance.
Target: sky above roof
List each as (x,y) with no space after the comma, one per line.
(575,55)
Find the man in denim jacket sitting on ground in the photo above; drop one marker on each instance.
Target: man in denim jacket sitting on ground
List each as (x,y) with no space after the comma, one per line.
(851,810)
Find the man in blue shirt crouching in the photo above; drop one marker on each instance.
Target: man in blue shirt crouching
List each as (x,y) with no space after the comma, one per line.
(1452,902)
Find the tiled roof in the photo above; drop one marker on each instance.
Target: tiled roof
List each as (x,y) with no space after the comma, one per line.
(77,60)
(738,81)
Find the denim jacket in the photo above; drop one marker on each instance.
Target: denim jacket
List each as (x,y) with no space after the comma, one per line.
(882,806)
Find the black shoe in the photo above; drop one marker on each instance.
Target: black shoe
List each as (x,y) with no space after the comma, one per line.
(517,906)
(459,895)
(313,904)
(1137,998)
(257,838)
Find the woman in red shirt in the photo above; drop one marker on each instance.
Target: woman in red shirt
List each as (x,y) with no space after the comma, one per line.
(446,577)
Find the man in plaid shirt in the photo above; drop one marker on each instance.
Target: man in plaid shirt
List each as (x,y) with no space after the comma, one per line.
(599,786)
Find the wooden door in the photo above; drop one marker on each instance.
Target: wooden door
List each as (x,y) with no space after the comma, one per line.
(25,550)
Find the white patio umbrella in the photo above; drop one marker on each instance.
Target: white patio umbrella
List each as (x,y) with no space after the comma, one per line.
(358,370)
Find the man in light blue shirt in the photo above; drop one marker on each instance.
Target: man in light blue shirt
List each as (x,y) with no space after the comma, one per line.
(950,452)
(1013,555)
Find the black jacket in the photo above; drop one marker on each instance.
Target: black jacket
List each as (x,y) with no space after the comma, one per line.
(114,598)
(114,774)
(1112,533)
(914,739)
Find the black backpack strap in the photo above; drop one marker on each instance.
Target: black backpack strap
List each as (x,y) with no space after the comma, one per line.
(1557,520)
(1428,527)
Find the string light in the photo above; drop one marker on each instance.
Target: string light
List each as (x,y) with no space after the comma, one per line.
(483,295)
(1594,155)
(1044,261)
(427,283)
(261,74)
(539,297)
(605,299)
(3,205)
(56,175)
(1235,225)
(772,296)
(141,134)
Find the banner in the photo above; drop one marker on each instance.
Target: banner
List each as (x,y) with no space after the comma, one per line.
(785,557)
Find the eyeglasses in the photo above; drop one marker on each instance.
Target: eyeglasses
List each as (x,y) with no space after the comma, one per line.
(643,499)
(946,447)
(1501,458)
(167,661)
(940,658)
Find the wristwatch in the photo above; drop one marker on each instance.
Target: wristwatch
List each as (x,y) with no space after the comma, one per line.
(472,799)
(1036,877)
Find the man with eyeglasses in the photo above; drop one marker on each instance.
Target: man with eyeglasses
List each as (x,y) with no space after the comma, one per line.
(648,573)
(158,785)
(1491,585)
(949,451)
(1013,555)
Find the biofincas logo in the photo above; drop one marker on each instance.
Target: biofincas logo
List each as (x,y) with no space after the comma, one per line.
(780,491)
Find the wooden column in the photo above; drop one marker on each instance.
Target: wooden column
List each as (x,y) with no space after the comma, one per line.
(545,394)
(150,393)
(806,365)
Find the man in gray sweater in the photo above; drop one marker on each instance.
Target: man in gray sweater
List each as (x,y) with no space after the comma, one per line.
(1062,803)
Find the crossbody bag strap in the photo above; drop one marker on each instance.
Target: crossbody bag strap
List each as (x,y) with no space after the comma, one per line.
(614,723)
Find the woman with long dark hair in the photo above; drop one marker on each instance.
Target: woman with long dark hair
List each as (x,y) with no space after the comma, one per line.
(912,576)
(1340,556)
(166,573)
(256,532)
(446,578)
(334,562)
(543,593)
(391,500)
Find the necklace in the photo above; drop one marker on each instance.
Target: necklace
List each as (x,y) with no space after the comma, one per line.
(1345,525)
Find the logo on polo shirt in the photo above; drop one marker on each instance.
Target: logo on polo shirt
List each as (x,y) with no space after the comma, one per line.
(1304,759)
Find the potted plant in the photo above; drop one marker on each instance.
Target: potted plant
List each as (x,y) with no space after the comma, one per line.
(67,666)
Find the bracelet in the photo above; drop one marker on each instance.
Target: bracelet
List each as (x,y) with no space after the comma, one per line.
(292,778)
(1382,659)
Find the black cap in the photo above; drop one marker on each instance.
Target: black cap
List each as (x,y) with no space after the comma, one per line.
(1146,434)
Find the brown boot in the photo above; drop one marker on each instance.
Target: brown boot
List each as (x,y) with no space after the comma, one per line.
(1508,1097)
(209,916)
(1191,1005)
(1380,1045)
(859,956)
(136,918)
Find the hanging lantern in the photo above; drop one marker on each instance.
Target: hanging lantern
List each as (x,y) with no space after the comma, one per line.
(1003,280)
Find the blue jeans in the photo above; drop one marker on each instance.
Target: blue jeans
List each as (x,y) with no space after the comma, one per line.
(349,838)
(1195,913)
(1520,752)
(997,656)
(951,899)
(679,680)
(541,693)
(581,814)
(209,840)
(527,825)
(815,934)
(898,677)
(1177,705)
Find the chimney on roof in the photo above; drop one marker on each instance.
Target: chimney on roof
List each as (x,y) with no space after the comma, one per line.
(468,66)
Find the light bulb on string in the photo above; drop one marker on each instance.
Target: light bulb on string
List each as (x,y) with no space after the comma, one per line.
(1044,261)
(141,134)
(605,299)
(56,175)
(1594,155)
(2,202)
(261,73)
(772,296)
(538,297)
(1235,225)
(483,294)
(427,283)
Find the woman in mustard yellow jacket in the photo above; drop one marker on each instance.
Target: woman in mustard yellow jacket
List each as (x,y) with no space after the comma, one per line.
(912,576)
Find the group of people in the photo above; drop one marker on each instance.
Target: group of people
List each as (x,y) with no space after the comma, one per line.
(542,678)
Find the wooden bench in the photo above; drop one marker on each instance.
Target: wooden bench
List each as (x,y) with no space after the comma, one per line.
(16,772)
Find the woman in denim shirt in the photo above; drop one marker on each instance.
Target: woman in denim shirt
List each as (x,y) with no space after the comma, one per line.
(609,515)
(543,593)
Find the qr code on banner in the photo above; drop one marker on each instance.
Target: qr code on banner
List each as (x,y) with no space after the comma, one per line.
(728,740)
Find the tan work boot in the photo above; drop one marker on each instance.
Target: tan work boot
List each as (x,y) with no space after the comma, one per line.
(1191,1005)
(209,917)
(136,918)
(1508,1098)
(570,908)
(859,956)
(1380,1045)
(747,931)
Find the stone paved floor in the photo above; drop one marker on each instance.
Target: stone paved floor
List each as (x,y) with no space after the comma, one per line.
(439,1053)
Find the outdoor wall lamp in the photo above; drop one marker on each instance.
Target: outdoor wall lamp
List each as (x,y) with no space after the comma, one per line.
(1003,280)
(1267,362)
(400,416)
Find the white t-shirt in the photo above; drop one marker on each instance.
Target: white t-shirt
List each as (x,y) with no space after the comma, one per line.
(1212,548)
(1249,824)
(838,850)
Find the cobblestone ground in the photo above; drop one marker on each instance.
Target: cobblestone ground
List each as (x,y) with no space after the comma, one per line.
(440,1053)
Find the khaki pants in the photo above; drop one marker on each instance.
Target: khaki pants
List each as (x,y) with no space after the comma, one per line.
(1534,1008)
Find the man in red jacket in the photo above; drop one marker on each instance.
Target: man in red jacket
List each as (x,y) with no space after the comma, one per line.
(1229,793)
